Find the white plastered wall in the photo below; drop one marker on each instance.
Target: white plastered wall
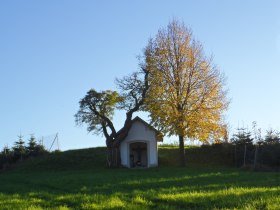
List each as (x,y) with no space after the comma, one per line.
(139,132)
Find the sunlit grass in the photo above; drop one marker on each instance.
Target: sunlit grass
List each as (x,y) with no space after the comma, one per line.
(59,183)
(163,188)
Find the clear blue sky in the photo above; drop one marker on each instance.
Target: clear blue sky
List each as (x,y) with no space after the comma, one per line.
(53,52)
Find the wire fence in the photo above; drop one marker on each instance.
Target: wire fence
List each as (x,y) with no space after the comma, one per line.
(50,142)
(257,156)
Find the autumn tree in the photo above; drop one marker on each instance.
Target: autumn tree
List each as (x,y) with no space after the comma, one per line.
(97,110)
(186,96)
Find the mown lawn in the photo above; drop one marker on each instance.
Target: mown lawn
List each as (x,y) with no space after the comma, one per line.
(95,187)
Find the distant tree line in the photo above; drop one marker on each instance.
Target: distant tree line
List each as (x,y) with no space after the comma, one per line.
(246,148)
(254,150)
(21,151)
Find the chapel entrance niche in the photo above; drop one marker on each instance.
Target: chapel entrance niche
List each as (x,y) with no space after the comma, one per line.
(138,155)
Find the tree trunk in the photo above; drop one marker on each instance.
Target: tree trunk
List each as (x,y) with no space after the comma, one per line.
(113,157)
(256,156)
(245,153)
(182,150)
(113,144)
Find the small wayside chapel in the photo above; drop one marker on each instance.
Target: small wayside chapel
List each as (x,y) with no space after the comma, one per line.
(139,148)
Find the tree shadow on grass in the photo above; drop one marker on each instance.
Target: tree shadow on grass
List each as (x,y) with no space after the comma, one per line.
(165,188)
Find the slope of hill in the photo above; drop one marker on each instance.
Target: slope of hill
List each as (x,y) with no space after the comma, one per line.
(78,179)
(89,158)
(92,158)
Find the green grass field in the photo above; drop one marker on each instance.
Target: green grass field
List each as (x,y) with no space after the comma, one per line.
(78,180)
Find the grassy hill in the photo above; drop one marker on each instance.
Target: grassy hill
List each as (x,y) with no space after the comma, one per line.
(92,158)
(78,179)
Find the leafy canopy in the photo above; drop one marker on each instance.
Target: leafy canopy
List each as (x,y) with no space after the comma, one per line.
(186,96)
(96,108)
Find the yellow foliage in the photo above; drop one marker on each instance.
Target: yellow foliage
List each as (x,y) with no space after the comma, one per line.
(186,95)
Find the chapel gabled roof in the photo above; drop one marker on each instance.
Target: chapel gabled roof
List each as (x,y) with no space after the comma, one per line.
(159,135)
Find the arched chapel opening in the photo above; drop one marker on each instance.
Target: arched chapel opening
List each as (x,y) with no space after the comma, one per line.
(138,154)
